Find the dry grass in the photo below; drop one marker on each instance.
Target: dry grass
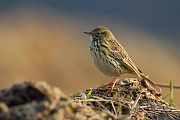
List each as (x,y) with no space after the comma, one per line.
(129,97)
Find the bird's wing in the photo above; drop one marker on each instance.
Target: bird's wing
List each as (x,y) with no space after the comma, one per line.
(126,61)
(121,56)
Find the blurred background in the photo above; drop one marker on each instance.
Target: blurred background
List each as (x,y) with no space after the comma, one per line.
(44,40)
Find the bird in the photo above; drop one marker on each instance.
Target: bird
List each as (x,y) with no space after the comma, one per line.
(110,57)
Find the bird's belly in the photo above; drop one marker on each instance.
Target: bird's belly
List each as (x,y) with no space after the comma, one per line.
(106,65)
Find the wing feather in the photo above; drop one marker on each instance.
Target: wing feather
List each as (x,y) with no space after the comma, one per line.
(121,56)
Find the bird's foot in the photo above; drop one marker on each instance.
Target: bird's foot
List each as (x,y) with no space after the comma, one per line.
(111,84)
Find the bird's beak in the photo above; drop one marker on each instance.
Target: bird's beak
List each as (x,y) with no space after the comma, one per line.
(89,33)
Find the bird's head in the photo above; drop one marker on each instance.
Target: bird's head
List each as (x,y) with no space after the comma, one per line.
(101,33)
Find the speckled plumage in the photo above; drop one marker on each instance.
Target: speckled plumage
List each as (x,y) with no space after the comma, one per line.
(109,56)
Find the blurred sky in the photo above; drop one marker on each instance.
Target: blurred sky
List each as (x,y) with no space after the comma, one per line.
(154,17)
(44,40)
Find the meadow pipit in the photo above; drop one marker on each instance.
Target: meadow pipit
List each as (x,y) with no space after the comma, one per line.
(110,57)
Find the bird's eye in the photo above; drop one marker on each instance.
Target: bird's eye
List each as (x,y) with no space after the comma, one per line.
(98,33)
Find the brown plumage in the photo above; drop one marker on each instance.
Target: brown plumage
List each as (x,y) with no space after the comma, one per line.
(110,57)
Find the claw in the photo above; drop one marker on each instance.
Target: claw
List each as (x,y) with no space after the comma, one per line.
(112,84)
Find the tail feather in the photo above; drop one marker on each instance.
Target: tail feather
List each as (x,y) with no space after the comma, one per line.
(148,80)
(141,75)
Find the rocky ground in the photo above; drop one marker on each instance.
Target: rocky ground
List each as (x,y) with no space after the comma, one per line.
(126,99)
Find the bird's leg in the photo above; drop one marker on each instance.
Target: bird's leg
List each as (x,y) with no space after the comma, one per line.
(113,82)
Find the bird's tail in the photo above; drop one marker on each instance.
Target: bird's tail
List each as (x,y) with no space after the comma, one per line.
(138,72)
(148,80)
